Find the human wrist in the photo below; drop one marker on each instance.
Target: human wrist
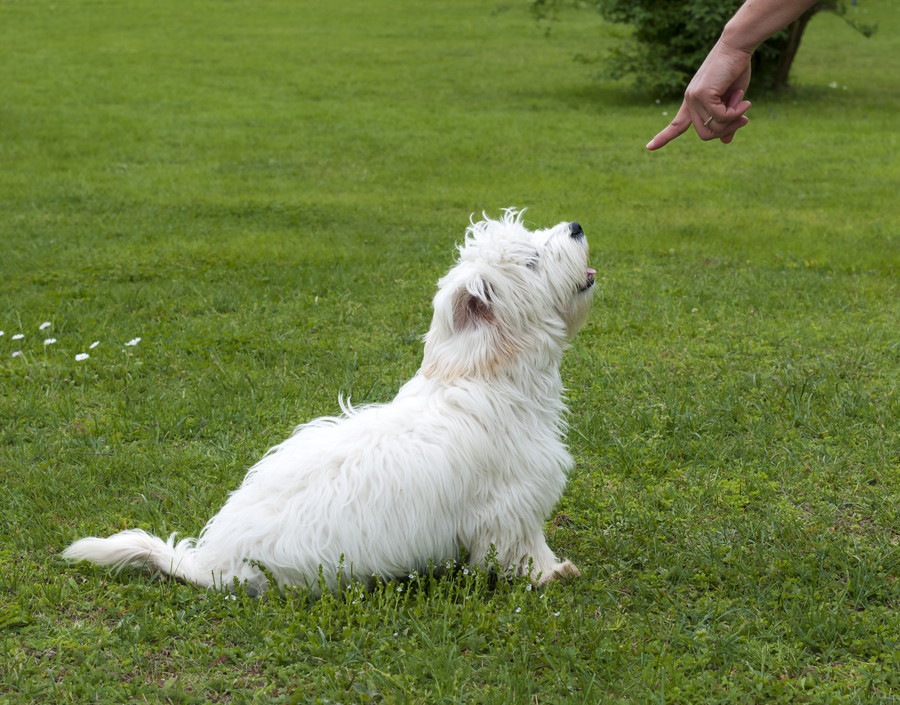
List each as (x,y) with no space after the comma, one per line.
(757,20)
(738,38)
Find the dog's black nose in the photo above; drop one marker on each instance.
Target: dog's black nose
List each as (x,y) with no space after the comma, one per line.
(575,230)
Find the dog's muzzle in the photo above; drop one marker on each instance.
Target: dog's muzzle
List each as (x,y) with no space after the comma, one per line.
(588,280)
(577,233)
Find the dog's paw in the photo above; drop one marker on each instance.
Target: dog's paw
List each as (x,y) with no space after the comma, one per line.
(564,571)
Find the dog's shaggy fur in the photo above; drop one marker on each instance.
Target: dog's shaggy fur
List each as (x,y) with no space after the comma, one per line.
(468,456)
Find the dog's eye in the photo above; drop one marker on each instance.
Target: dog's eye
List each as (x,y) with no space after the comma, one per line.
(533,261)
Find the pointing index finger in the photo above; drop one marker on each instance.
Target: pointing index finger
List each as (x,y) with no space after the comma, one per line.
(674,129)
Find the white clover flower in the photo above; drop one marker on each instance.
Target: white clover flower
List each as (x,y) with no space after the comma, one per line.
(131,343)
(49,341)
(18,336)
(80,357)
(45,325)
(17,353)
(94,345)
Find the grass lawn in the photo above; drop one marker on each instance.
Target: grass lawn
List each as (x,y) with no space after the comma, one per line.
(265,194)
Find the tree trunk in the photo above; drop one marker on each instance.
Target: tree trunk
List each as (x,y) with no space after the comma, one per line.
(795,32)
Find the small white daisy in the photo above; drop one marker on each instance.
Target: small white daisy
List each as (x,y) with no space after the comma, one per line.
(80,357)
(18,336)
(2,333)
(17,353)
(49,341)
(45,325)
(134,341)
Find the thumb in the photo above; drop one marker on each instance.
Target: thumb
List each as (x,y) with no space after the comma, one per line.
(735,106)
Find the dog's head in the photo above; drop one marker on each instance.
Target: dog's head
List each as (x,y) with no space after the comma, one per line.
(512,293)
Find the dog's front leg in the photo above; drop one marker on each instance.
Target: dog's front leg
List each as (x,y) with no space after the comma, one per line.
(564,570)
(545,566)
(529,556)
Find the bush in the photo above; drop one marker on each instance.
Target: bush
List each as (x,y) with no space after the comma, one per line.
(671,38)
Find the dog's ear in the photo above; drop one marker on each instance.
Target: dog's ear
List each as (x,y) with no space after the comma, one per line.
(468,337)
(472,307)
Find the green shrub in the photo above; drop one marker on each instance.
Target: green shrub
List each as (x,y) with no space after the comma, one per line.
(671,38)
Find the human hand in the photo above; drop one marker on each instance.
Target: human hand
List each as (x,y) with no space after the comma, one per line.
(714,100)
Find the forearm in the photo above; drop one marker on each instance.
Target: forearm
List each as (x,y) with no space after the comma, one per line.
(757,20)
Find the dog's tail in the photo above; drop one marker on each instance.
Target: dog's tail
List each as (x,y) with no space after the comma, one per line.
(138,549)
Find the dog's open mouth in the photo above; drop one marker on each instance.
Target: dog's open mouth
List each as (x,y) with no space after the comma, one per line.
(589,280)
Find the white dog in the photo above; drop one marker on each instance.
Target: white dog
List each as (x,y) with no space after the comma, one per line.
(468,457)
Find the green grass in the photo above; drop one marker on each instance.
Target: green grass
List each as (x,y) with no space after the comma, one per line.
(265,194)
